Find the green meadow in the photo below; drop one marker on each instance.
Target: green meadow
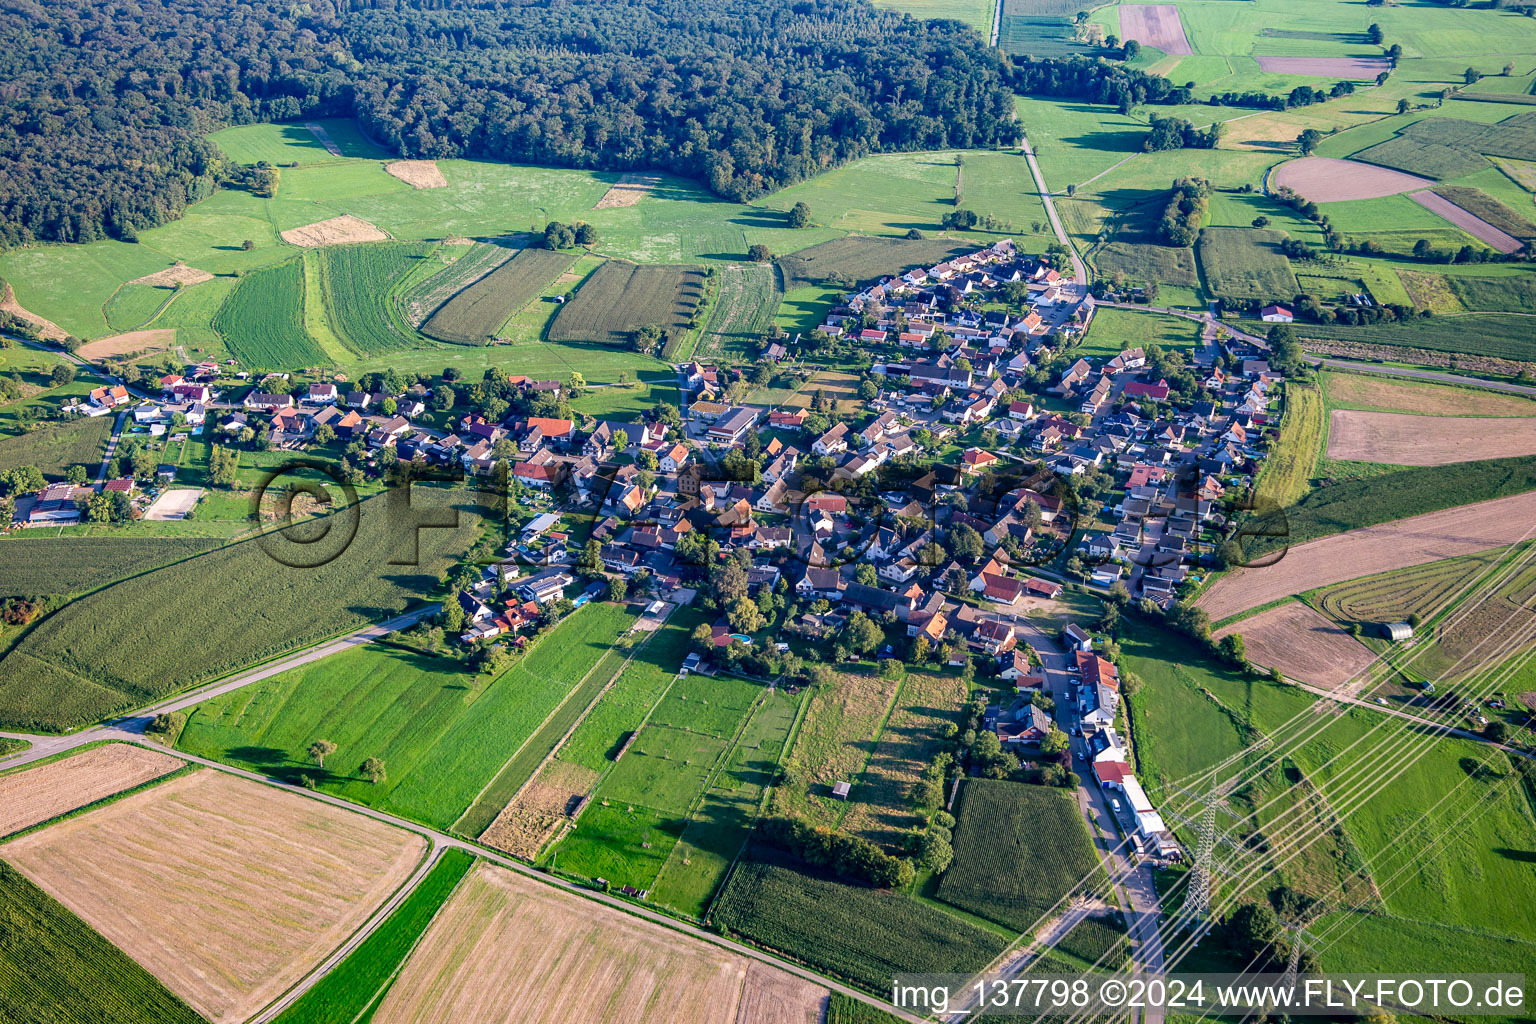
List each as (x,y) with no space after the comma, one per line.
(444,732)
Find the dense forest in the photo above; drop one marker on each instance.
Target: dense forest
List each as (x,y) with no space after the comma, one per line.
(107,105)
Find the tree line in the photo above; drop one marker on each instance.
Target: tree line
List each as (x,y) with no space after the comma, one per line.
(103,130)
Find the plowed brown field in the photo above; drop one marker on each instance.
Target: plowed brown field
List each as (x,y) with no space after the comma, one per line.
(58,787)
(1347,556)
(509,949)
(226,890)
(1154,25)
(1302,644)
(1399,439)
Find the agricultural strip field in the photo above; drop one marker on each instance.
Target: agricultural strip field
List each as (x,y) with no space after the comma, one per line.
(721,821)
(1303,645)
(1364,552)
(357,982)
(1484,206)
(46,566)
(882,810)
(443,732)
(1330,180)
(858,258)
(1154,25)
(1359,68)
(216,884)
(1502,337)
(475,314)
(1473,225)
(1372,393)
(1400,439)
(1287,472)
(54,447)
(850,931)
(262,321)
(743,314)
(510,948)
(1039,28)
(1501,615)
(39,794)
(841,727)
(1422,590)
(1019,849)
(357,283)
(57,969)
(1245,263)
(464,265)
(621,297)
(81,662)
(643,805)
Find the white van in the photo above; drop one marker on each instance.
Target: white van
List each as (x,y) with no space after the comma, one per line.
(1115,804)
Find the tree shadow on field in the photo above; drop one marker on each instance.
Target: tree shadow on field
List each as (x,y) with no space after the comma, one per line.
(1524,856)
(278,765)
(757,217)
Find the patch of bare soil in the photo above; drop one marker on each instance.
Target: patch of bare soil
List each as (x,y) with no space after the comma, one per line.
(1469,222)
(418,173)
(133,343)
(1154,25)
(335,231)
(170,277)
(628,190)
(1303,644)
(58,787)
(1361,68)
(1401,439)
(1327,180)
(50,330)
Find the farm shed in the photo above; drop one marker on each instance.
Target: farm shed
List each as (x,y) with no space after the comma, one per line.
(1397,631)
(841,790)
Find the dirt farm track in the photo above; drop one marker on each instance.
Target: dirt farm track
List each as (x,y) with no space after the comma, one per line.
(1347,556)
(1399,439)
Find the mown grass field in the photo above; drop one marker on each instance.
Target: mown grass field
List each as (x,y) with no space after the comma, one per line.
(1245,263)
(82,662)
(359,981)
(46,566)
(849,931)
(621,297)
(1019,849)
(134,305)
(743,312)
(860,258)
(1141,263)
(444,733)
(357,282)
(474,315)
(58,969)
(975,13)
(1115,329)
(842,725)
(54,447)
(262,321)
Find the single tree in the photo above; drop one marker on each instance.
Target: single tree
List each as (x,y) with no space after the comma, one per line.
(320,750)
(373,768)
(759,253)
(799,215)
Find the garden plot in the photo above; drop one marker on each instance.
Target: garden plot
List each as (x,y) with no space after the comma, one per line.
(1328,180)
(58,787)
(1400,439)
(1449,533)
(507,948)
(226,890)
(1303,644)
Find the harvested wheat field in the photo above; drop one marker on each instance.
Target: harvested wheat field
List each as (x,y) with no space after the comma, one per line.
(335,231)
(58,787)
(1323,179)
(170,277)
(1381,394)
(628,190)
(1469,222)
(1449,533)
(1361,68)
(226,890)
(132,343)
(1154,25)
(1400,439)
(49,330)
(508,948)
(540,809)
(418,173)
(1303,644)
